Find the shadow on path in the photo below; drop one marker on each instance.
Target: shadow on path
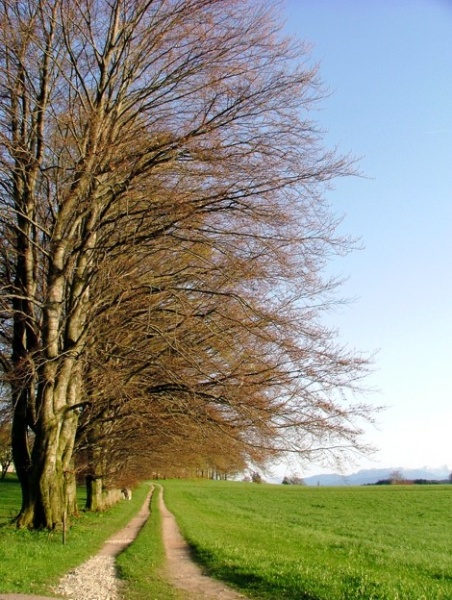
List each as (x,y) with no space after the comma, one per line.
(181,570)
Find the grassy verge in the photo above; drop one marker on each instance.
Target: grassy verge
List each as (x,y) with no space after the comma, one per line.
(141,564)
(33,562)
(290,543)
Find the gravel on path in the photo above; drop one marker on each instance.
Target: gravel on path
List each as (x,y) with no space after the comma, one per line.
(96,579)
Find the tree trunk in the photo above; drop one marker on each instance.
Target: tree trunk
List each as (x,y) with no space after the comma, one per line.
(71,493)
(47,495)
(95,479)
(20,444)
(94,488)
(43,474)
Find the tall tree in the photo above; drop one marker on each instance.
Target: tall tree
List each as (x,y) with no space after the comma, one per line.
(125,122)
(196,351)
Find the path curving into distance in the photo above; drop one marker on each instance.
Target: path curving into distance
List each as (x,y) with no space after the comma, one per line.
(96,578)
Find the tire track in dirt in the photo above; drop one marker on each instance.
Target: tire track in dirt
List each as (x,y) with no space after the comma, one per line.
(182,572)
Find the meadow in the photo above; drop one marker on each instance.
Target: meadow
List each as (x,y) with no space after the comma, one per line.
(33,562)
(278,542)
(287,542)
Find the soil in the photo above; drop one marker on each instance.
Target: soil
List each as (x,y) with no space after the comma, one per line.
(181,570)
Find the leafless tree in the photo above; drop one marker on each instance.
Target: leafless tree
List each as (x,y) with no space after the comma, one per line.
(396,477)
(193,354)
(128,125)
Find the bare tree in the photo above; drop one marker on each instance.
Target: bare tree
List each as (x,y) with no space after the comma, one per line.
(201,359)
(129,123)
(396,477)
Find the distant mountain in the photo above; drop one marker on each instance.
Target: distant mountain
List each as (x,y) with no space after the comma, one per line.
(370,476)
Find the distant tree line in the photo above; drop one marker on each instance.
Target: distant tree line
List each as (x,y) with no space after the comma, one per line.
(396,478)
(293,480)
(411,482)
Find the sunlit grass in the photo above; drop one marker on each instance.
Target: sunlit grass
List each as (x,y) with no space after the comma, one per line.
(33,562)
(141,566)
(391,543)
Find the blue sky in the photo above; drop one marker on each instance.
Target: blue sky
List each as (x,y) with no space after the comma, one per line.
(388,64)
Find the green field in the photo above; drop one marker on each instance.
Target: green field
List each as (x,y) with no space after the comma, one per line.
(385,543)
(34,561)
(278,542)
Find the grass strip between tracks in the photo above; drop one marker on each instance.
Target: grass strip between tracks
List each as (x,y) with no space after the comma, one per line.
(141,565)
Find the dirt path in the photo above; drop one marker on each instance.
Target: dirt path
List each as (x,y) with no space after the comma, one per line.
(181,571)
(96,578)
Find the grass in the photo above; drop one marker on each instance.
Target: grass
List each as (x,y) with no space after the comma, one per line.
(33,562)
(379,543)
(371,543)
(141,565)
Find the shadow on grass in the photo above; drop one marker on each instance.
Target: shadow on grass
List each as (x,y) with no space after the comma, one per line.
(247,581)
(10,500)
(8,522)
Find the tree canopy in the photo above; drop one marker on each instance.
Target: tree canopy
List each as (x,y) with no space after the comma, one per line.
(164,242)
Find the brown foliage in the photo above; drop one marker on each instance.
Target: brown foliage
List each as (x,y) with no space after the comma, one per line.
(163,236)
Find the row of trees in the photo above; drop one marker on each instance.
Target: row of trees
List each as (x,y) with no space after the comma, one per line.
(163,243)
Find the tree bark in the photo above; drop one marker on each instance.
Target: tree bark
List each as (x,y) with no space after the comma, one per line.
(20,446)
(94,489)
(45,473)
(45,490)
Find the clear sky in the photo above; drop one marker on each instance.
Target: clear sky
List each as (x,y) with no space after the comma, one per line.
(388,64)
